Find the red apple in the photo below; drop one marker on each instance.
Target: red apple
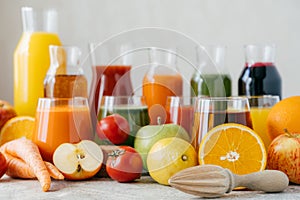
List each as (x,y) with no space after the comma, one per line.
(114,128)
(284,155)
(6,112)
(3,165)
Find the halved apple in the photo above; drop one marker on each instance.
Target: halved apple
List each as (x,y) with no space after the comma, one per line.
(78,161)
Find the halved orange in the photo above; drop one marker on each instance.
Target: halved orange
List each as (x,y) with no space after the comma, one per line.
(20,126)
(235,147)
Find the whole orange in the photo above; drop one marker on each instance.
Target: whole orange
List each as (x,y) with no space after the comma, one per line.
(284,115)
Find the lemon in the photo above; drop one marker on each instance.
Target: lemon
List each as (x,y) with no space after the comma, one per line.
(17,127)
(169,156)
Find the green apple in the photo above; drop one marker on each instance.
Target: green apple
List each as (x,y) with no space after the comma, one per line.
(150,134)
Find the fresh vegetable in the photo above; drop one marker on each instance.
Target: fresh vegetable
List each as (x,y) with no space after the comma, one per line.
(114,128)
(17,168)
(26,150)
(124,164)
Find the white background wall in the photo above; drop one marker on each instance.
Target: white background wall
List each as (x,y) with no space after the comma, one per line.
(230,22)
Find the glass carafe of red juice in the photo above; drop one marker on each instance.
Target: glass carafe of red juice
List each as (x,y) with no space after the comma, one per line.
(260,75)
(211,78)
(163,79)
(65,77)
(111,67)
(32,58)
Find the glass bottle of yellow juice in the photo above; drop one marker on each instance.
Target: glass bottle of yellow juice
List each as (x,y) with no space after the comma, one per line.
(31,58)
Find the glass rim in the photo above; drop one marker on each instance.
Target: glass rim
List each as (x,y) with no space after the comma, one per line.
(260,45)
(231,98)
(61,98)
(263,96)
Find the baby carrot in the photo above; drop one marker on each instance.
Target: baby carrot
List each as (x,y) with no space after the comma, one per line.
(28,151)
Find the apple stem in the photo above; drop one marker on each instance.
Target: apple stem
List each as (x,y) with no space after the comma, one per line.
(158,120)
(287,132)
(1,105)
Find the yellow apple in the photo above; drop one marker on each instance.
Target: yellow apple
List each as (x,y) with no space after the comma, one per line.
(78,161)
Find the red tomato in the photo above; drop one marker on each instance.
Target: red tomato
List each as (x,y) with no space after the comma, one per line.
(114,127)
(124,164)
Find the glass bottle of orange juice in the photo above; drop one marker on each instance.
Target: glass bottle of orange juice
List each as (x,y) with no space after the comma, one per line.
(31,58)
(162,80)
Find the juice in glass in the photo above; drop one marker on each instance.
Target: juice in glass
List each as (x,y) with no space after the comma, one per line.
(214,85)
(132,108)
(259,119)
(31,63)
(110,80)
(65,78)
(61,121)
(180,110)
(157,88)
(260,106)
(213,111)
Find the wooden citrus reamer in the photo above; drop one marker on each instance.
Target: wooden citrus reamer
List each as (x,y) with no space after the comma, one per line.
(215,181)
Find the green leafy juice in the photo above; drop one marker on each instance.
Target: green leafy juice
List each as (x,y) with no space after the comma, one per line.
(137,116)
(213,85)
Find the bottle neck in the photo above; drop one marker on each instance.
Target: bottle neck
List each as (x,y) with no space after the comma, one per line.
(39,21)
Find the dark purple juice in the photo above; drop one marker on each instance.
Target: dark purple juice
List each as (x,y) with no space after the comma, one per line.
(260,79)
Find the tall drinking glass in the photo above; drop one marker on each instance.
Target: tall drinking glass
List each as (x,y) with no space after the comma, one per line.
(61,120)
(133,108)
(180,110)
(260,106)
(213,111)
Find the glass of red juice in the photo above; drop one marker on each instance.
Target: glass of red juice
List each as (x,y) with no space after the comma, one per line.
(260,75)
(180,110)
(213,111)
(111,66)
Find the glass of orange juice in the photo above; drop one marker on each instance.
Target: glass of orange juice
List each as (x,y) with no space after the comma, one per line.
(260,107)
(61,120)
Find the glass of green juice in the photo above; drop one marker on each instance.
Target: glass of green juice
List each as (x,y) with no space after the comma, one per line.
(133,108)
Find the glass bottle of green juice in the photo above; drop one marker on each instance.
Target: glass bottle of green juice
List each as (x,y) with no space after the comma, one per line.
(211,78)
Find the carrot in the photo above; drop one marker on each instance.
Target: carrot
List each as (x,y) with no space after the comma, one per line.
(17,168)
(53,171)
(28,151)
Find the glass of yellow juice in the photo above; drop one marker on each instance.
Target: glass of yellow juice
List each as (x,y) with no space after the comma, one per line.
(260,107)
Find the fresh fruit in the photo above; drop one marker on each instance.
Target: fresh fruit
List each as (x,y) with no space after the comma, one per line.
(233,146)
(148,135)
(284,115)
(6,112)
(78,161)
(3,165)
(114,127)
(283,155)
(17,127)
(169,156)
(124,164)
